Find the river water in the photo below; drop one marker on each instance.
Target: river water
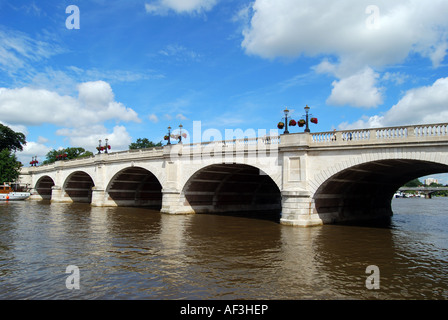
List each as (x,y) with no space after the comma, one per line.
(135,253)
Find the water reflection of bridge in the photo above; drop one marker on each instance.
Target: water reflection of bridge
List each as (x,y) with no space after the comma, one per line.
(426,191)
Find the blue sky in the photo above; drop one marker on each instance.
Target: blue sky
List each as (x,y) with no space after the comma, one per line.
(135,67)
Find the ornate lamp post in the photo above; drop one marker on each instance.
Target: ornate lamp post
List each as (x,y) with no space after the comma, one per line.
(107,146)
(34,161)
(168,137)
(175,136)
(308,119)
(180,133)
(286,111)
(282,124)
(307,109)
(302,122)
(101,148)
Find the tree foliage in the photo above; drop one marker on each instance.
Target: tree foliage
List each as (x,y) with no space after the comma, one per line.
(413,183)
(11,140)
(143,143)
(9,166)
(71,153)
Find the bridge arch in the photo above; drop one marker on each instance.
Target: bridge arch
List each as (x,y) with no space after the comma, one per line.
(270,169)
(43,187)
(365,190)
(231,188)
(135,186)
(77,187)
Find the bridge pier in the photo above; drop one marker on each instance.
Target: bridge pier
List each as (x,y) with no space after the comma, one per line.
(298,209)
(100,198)
(174,202)
(35,195)
(59,196)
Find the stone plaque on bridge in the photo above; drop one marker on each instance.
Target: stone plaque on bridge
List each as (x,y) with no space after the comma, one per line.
(294,169)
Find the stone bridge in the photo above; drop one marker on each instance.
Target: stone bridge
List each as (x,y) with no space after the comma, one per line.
(307,178)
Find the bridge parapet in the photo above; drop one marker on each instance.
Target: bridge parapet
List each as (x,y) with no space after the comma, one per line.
(235,143)
(414,133)
(135,154)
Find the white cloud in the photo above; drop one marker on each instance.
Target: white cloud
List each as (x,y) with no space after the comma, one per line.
(88,137)
(153,118)
(180,53)
(358,90)
(81,118)
(180,116)
(42,140)
(85,137)
(180,6)
(422,105)
(32,149)
(112,76)
(438,55)
(95,104)
(33,107)
(66,81)
(396,77)
(18,51)
(16,127)
(96,94)
(326,67)
(365,122)
(340,30)
(291,28)
(426,104)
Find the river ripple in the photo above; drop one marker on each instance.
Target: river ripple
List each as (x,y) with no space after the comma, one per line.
(135,253)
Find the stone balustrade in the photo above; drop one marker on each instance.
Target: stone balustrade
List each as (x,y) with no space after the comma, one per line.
(381,135)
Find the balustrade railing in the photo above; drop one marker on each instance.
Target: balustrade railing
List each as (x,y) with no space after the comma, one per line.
(391,133)
(431,130)
(381,134)
(373,135)
(266,140)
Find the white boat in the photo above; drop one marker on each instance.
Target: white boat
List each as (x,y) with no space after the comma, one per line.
(8,194)
(399,194)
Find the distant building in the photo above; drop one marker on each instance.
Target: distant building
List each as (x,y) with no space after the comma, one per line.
(431,180)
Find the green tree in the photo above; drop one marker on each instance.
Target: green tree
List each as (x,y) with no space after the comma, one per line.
(413,183)
(72,153)
(11,140)
(143,144)
(9,166)
(442,193)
